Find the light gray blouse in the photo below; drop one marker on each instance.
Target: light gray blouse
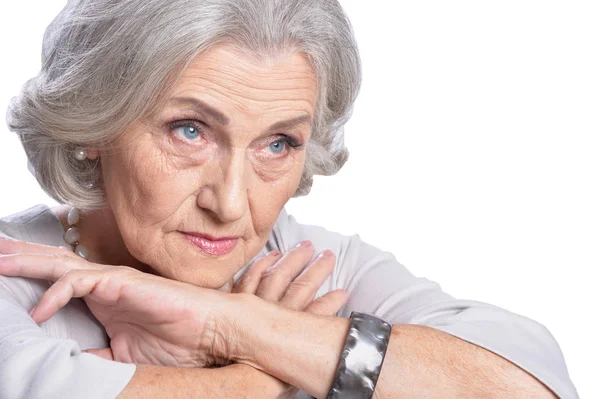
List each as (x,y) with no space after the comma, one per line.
(46,361)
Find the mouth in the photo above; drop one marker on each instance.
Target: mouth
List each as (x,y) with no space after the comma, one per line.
(216,246)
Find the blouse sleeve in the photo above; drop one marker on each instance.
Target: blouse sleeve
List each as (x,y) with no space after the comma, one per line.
(378,284)
(34,364)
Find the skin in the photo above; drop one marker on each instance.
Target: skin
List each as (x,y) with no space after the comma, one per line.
(226,182)
(158,186)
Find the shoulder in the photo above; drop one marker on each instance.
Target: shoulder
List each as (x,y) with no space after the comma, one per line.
(355,258)
(18,295)
(37,224)
(287,233)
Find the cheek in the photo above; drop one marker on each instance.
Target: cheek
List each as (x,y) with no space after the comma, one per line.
(134,176)
(268,197)
(284,170)
(143,192)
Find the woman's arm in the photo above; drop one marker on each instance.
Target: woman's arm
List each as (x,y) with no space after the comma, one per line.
(231,381)
(149,381)
(305,349)
(421,314)
(421,361)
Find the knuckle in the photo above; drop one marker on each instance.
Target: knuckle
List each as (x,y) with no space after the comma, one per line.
(124,271)
(324,302)
(246,279)
(318,308)
(60,256)
(292,294)
(270,273)
(301,286)
(121,269)
(274,275)
(261,264)
(69,274)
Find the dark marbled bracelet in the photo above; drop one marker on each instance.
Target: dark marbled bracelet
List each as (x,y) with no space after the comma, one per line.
(362,358)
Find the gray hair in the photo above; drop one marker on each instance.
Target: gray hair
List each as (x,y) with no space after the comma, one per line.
(106,63)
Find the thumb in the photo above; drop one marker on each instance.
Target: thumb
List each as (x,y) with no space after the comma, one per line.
(103,353)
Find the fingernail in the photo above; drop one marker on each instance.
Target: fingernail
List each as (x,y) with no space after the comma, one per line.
(325,254)
(274,253)
(304,244)
(32,310)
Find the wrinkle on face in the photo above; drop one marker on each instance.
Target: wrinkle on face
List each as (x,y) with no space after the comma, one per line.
(227,183)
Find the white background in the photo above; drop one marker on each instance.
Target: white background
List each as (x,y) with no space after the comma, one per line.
(474,146)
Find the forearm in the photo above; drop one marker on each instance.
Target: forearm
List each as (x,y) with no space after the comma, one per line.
(424,362)
(232,381)
(304,351)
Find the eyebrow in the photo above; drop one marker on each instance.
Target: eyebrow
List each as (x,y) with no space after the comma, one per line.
(203,107)
(224,120)
(290,123)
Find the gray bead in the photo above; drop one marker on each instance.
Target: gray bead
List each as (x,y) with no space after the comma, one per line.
(73,216)
(72,235)
(82,251)
(80,154)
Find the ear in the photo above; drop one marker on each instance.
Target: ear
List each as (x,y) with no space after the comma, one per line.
(92,154)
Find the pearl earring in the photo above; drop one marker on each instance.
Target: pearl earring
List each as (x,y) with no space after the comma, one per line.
(80,154)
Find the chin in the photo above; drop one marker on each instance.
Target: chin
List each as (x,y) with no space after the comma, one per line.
(196,267)
(207,271)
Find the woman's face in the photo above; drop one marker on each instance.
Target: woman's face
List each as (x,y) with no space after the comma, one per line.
(220,160)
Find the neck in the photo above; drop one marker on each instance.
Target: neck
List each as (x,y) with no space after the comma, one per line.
(100,235)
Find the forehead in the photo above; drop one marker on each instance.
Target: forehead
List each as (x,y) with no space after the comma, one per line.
(230,77)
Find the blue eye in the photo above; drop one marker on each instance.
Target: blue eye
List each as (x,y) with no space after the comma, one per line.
(187,132)
(277,146)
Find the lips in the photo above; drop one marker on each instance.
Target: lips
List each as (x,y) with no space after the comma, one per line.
(212,245)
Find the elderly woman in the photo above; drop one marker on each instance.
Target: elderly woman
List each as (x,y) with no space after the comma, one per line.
(174,132)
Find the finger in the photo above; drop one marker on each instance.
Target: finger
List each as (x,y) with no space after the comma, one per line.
(329,304)
(47,267)
(276,279)
(74,284)
(302,290)
(250,280)
(9,246)
(105,353)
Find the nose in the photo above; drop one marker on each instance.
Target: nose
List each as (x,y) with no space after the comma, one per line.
(225,193)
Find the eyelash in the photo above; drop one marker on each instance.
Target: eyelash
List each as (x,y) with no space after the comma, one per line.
(289,140)
(188,122)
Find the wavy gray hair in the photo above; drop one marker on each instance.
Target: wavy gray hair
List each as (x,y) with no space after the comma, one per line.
(106,63)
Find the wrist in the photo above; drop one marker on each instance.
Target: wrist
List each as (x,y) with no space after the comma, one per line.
(220,324)
(299,348)
(248,325)
(257,384)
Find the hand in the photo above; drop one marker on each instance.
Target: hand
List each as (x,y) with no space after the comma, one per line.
(287,281)
(273,278)
(150,319)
